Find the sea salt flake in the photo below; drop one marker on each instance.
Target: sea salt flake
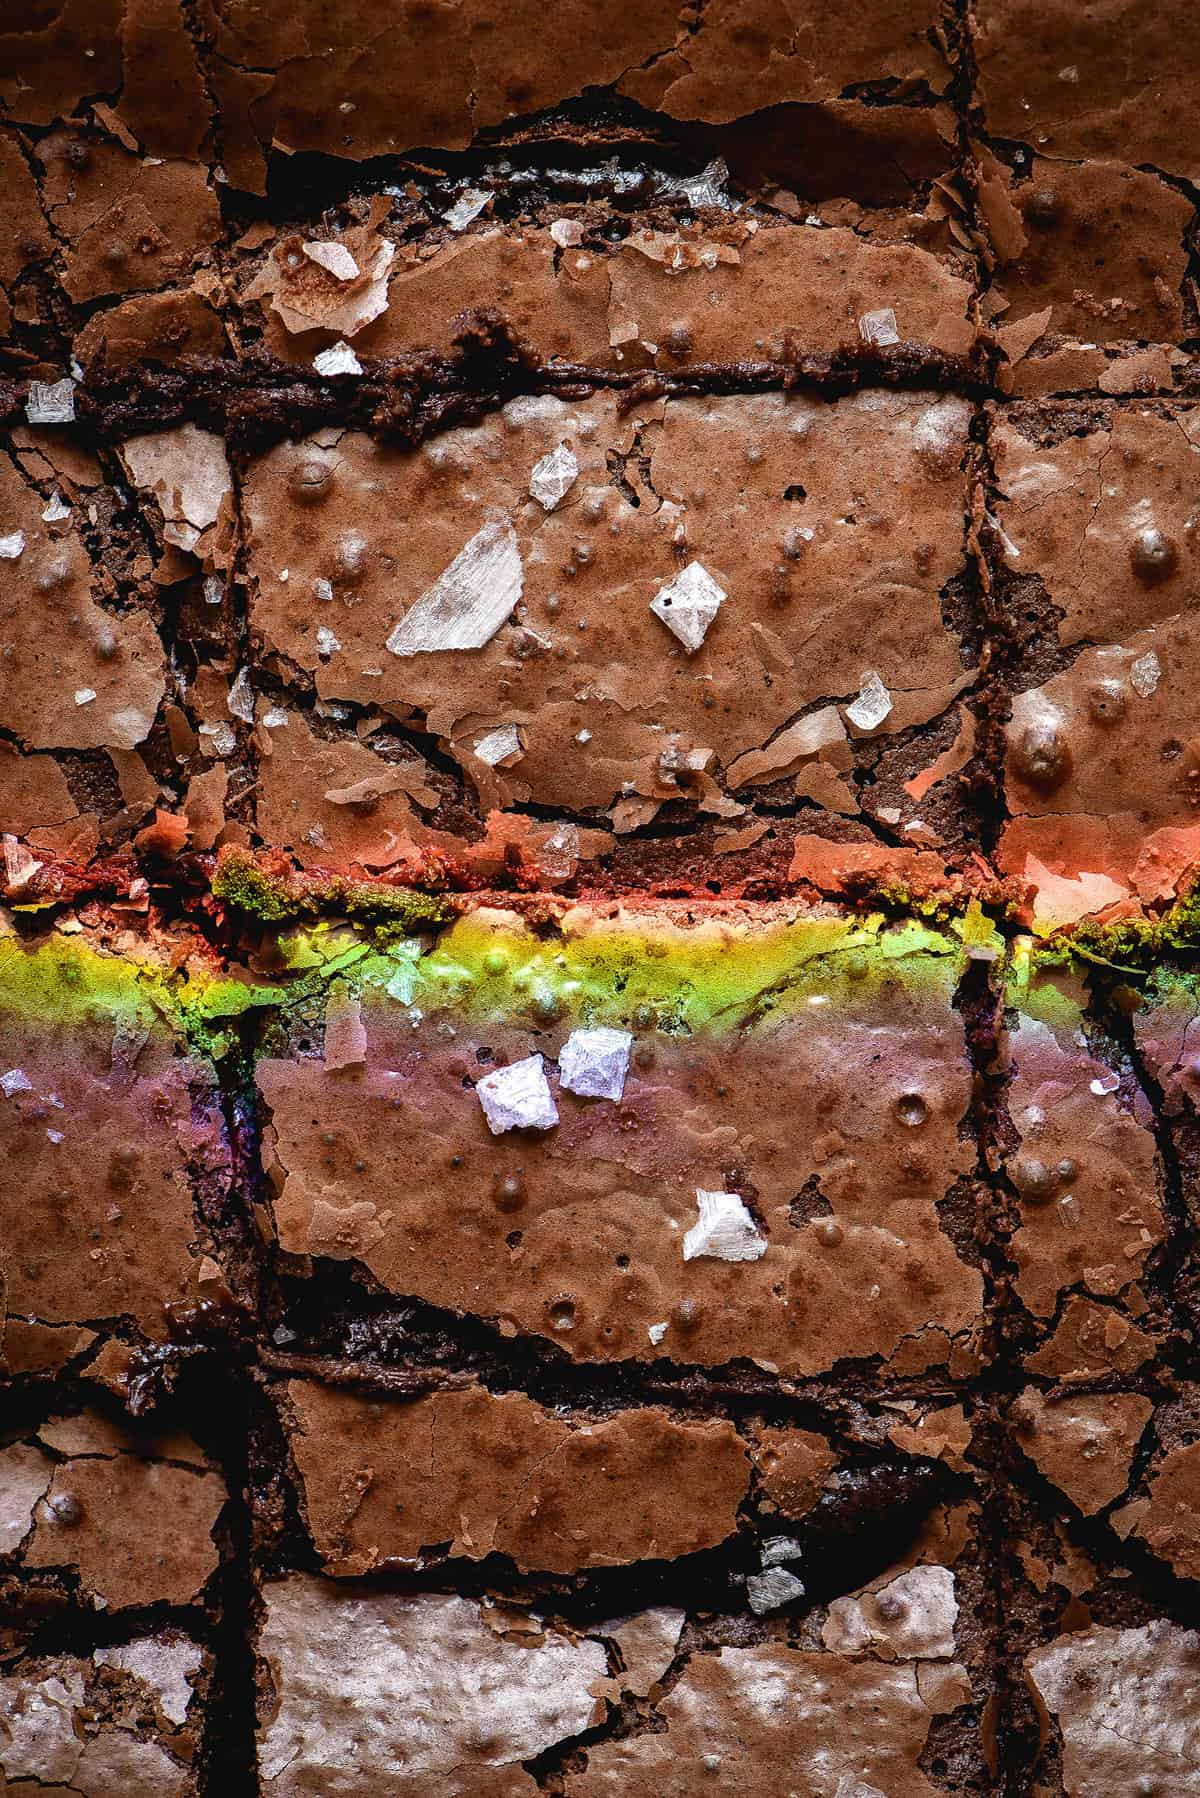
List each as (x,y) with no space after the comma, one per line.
(1145,674)
(567,233)
(553,477)
(469,204)
(55,1135)
(56,511)
(323,589)
(873,704)
(339,359)
(656,1332)
(879,327)
(688,604)
(19,865)
(15,1081)
(51,402)
(517,1097)
(724,1230)
(768,1591)
(499,745)
(594,1063)
(335,258)
(470,599)
(84,695)
(12,546)
(781,1549)
(224,741)
(708,188)
(240,702)
(1107,1083)
(327,643)
(275,719)
(214,590)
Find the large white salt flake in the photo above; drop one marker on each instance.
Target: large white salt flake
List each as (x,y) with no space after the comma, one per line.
(334,257)
(470,600)
(1145,674)
(553,477)
(594,1063)
(12,546)
(769,1590)
(469,204)
(51,402)
(500,745)
(688,604)
(517,1097)
(873,704)
(724,1230)
(879,327)
(338,359)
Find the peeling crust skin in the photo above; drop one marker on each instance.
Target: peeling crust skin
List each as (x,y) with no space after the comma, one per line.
(598,900)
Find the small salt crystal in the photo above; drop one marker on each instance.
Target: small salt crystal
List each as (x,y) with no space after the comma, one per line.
(339,359)
(1145,674)
(1106,1083)
(1068,1209)
(224,741)
(55,1135)
(56,511)
(19,866)
(517,1097)
(214,591)
(768,1591)
(51,402)
(708,188)
(84,695)
(12,546)
(688,604)
(335,258)
(553,477)
(498,745)
(470,599)
(240,702)
(469,204)
(873,704)
(327,643)
(323,589)
(724,1230)
(656,1332)
(879,327)
(567,233)
(275,719)
(15,1081)
(594,1063)
(781,1549)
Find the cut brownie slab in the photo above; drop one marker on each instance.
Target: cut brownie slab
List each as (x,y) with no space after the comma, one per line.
(664,1695)
(665,1133)
(1081,1156)
(1095,545)
(118,1519)
(1101,1656)
(611,611)
(115,1144)
(125,1720)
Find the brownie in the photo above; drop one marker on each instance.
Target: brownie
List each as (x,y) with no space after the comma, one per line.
(120,1720)
(598,899)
